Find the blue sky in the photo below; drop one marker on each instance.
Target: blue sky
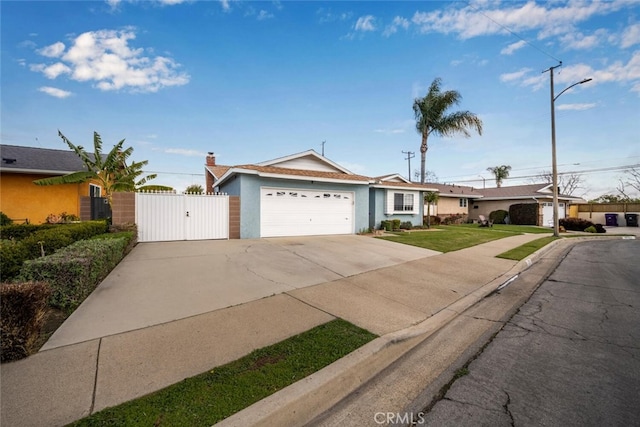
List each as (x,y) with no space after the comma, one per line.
(253,81)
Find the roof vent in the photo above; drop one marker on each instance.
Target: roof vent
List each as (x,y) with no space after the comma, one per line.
(8,161)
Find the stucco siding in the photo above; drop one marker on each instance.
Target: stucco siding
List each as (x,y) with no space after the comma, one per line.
(21,199)
(377,204)
(448,206)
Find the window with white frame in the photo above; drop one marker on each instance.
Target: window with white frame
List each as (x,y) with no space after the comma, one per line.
(401,202)
(95,190)
(463,203)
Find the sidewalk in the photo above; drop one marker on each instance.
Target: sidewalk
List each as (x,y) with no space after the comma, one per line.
(400,303)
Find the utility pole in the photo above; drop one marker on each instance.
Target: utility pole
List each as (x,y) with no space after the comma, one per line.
(410,155)
(554,164)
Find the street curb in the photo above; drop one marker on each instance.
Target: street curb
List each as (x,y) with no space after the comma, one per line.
(304,400)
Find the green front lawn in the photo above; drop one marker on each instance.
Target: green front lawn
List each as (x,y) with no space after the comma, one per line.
(521,252)
(448,238)
(210,397)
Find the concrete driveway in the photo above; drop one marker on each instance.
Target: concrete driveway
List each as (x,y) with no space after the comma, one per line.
(161,282)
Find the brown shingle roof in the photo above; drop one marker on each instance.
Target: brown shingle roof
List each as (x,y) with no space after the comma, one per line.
(455,190)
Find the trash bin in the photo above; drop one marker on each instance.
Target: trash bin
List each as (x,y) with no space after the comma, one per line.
(611,219)
(632,220)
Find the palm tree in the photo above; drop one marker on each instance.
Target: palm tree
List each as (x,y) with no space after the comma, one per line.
(431,117)
(501,173)
(430,197)
(109,170)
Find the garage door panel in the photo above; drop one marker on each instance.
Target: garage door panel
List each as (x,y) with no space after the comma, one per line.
(291,212)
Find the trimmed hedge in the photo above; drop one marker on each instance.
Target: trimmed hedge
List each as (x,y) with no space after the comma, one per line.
(47,238)
(497,217)
(75,271)
(22,231)
(22,310)
(575,224)
(523,214)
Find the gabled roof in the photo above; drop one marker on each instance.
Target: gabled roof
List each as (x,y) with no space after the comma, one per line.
(44,161)
(307,160)
(394,177)
(529,191)
(286,173)
(457,191)
(305,166)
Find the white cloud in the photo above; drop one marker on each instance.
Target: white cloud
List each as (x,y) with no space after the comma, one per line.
(513,47)
(630,36)
(577,107)
(226,6)
(578,40)
(488,18)
(58,93)
(106,58)
(263,14)
(398,22)
(366,23)
(517,75)
(52,51)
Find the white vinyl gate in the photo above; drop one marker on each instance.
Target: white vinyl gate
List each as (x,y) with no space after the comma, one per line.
(167,216)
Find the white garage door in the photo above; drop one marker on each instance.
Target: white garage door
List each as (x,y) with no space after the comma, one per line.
(547,213)
(294,212)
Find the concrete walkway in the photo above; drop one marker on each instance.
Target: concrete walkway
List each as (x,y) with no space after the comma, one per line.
(67,382)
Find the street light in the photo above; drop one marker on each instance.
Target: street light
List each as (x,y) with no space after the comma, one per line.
(554,166)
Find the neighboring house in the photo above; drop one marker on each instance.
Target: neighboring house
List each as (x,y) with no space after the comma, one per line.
(22,200)
(503,197)
(453,200)
(308,194)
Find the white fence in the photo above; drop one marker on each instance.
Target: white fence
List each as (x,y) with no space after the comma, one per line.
(168,216)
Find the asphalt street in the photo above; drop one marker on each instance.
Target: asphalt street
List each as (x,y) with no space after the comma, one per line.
(569,357)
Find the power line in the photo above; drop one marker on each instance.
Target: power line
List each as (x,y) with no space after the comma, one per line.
(513,32)
(586,171)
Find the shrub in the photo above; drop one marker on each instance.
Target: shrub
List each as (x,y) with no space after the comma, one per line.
(497,217)
(395,224)
(600,228)
(575,224)
(21,231)
(407,225)
(22,310)
(4,219)
(42,239)
(590,229)
(75,271)
(523,214)
(12,255)
(129,236)
(434,220)
(454,219)
(386,225)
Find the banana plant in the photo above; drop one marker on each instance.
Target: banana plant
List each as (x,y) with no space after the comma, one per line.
(109,170)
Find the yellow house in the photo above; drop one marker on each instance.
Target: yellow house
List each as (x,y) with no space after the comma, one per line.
(23,201)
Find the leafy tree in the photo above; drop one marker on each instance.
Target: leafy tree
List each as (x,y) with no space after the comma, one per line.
(194,189)
(501,173)
(109,170)
(432,118)
(430,197)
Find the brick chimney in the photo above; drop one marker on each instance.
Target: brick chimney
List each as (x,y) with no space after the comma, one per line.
(211,159)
